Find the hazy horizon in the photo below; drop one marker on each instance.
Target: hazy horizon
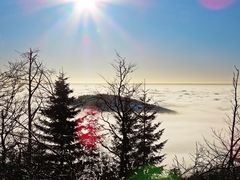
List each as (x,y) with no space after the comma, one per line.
(160,83)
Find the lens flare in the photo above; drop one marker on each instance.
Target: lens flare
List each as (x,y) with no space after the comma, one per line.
(216,4)
(81,22)
(87,128)
(153,172)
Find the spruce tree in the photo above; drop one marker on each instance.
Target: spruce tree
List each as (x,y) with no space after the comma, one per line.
(148,134)
(57,130)
(122,107)
(135,136)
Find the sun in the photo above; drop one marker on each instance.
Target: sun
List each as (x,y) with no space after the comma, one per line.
(86,6)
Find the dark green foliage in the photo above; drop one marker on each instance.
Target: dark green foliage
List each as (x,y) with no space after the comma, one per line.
(146,173)
(150,172)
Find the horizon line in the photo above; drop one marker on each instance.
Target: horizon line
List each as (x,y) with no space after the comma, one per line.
(164,83)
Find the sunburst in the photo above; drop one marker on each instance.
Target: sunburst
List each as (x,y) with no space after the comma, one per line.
(86,6)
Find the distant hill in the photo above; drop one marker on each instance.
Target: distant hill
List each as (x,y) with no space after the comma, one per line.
(96,100)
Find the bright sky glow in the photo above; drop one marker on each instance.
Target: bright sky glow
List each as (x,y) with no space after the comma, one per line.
(170,41)
(89,7)
(83,5)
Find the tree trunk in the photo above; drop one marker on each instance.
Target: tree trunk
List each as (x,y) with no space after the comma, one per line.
(29,148)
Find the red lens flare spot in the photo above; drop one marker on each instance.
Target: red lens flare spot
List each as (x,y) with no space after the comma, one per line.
(87,127)
(216,4)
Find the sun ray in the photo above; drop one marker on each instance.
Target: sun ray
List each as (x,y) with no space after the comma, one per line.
(86,24)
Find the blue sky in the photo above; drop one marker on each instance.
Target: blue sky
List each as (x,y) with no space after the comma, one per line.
(169,40)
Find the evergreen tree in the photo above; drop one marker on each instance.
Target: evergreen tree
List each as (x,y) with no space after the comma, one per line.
(148,134)
(58,132)
(123,109)
(135,135)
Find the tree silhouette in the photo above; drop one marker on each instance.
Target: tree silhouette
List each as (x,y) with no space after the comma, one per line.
(133,143)
(123,111)
(147,135)
(11,110)
(58,131)
(27,82)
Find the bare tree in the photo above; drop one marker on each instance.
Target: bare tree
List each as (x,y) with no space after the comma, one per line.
(221,158)
(37,80)
(11,110)
(33,80)
(235,125)
(118,101)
